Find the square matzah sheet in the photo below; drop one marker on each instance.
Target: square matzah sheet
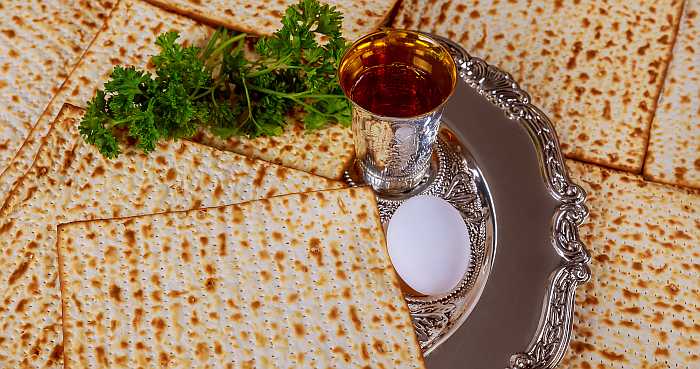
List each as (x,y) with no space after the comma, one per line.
(641,308)
(71,181)
(297,281)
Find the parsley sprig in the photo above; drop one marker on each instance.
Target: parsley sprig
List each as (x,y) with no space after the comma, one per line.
(219,88)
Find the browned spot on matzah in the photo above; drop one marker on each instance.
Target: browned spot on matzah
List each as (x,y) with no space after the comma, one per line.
(315,250)
(130,237)
(355,318)
(299,329)
(171,175)
(17,273)
(20,305)
(115,293)
(7,226)
(210,284)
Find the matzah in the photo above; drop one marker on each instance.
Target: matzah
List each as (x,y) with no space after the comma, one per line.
(596,68)
(325,152)
(673,155)
(128,38)
(40,42)
(71,181)
(642,306)
(297,281)
(263,17)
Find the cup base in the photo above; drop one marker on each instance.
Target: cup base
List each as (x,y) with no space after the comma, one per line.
(396,188)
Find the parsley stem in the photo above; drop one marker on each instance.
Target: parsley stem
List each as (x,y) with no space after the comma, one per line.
(227,43)
(310,107)
(208,90)
(212,40)
(117,122)
(292,96)
(221,47)
(273,67)
(247,99)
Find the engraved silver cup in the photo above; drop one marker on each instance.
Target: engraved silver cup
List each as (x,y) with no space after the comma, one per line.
(393,153)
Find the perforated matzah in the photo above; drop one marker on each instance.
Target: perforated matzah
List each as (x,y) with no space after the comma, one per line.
(263,17)
(71,181)
(297,281)
(642,306)
(595,67)
(673,154)
(128,38)
(40,42)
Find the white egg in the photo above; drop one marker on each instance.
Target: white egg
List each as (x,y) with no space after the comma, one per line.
(429,245)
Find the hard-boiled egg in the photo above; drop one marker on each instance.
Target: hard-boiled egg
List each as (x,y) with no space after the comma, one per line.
(429,245)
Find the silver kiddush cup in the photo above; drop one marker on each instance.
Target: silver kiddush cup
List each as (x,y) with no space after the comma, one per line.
(399,82)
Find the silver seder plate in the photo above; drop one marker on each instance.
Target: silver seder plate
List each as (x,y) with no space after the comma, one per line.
(498,162)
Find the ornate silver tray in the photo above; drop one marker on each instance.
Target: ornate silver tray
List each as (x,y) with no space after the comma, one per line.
(498,162)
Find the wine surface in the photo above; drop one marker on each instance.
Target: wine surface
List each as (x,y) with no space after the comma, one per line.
(396,90)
